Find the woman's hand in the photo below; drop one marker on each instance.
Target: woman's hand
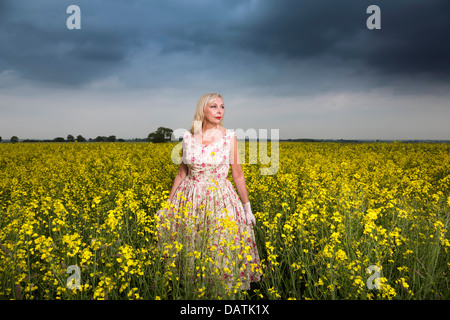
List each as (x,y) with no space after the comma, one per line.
(248,214)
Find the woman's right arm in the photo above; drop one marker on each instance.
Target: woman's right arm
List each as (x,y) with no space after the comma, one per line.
(181,174)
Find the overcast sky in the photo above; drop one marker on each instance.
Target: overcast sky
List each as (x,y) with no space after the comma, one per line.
(309,68)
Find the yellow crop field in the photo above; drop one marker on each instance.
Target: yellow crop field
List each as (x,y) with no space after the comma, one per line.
(337,221)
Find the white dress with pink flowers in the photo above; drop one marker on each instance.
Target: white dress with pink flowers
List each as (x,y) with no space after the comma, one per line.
(207,214)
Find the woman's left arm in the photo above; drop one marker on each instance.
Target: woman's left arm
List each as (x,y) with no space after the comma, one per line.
(239,181)
(236,172)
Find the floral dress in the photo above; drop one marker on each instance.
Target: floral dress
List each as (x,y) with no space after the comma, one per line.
(207,217)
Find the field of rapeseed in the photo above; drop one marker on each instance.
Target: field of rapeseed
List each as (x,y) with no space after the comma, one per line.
(337,221)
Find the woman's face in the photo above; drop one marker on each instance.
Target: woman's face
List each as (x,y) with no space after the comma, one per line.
(214,112)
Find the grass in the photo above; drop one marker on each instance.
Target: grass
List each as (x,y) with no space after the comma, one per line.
(331,211)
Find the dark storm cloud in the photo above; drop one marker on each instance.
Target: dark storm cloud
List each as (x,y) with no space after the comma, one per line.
(4,8)
(298,29)
(48,57)
(414,37)
(35,43)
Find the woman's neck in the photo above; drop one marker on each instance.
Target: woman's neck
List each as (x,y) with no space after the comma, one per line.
(209,126)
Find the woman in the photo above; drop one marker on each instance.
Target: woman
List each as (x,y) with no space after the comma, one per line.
(204,214)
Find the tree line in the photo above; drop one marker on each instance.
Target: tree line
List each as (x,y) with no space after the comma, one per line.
(161,135)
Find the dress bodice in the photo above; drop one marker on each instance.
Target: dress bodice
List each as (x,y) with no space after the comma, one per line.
(207,161)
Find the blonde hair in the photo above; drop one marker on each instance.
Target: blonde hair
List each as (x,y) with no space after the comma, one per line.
(199,111)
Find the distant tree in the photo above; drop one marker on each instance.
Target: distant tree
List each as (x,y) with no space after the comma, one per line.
(0,139)
(80,138)
(120,140)
(111,139)
(160,135)
(99,139)
(70,138)
(14,139)
(59,139)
